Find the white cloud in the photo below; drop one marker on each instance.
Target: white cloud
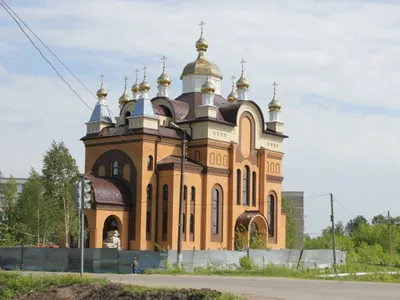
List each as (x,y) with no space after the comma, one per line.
(342,53)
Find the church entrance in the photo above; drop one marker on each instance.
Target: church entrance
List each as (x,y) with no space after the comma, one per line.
(110,224)
(111,233)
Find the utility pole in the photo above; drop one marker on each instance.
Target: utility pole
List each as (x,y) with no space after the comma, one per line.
(333,233)
(390,234)
(180,221)
(82,212)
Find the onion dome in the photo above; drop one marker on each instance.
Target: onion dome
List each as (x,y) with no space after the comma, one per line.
(124,97)
(242,82)
(163,79)
(208,87)
(144,85)
(233,96)
(202,66)
(274,104)
(101,93)
(135,87)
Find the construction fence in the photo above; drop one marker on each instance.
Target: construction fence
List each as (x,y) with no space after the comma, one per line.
(117,261)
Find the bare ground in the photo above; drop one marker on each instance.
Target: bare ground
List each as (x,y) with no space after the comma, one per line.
(110,292)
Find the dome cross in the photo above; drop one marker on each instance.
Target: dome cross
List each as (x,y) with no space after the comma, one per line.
(242,62)
(201,26)
(126,80)
(274,85)
(164,58)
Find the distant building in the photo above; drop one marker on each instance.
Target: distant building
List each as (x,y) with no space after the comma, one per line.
(3,182)
(297,200)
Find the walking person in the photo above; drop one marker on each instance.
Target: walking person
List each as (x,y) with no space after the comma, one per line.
(135,265)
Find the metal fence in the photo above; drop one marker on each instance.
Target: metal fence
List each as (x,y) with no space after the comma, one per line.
(115,261)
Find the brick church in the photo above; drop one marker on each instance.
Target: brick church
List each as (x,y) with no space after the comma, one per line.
(232,176)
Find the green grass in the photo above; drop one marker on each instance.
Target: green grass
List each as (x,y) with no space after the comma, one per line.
(248,268)
(13,284)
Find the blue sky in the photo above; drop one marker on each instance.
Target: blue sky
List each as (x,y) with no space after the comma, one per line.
(336,63)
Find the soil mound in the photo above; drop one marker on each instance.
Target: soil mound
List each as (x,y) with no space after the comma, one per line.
(114,291)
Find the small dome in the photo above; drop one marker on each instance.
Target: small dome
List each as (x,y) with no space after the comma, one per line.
(144,86)
(208,87)
(242,83)
(101,93)
(274,105)
(232,97)
(135,88)
(163,79)
(201,44)
(124,97)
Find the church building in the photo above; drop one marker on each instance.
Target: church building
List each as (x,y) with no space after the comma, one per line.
(230,177)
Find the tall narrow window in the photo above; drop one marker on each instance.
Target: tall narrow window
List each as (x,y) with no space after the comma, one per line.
(238,183)
(115,169)
(148,212)
(193,194)
(149,163)
(271,216)
(127,115)
(185,192)
(254,189)
(191,224)
(215,213)
(245,185)
(184,226)
(165,213)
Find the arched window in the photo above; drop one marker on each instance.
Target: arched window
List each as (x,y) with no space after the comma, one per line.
(149,210)
(192,193)
(184,226)
(246,185)
(278,169)
(238,182)
(215,214)
(127,115)
(115,169)
(165,213)
(185,191)
(272,167)
(149,163)
(254,189)
(219,159)
(271,215)
(191,224)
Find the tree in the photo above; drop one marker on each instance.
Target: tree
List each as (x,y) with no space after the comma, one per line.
(379,219)
(10,197)
(355,224)
(59,172)
(291,236)
(35,211)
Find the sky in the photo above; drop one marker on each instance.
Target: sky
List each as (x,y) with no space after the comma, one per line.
(336,63)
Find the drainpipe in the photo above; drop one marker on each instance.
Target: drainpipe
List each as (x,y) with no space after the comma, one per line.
(157,191)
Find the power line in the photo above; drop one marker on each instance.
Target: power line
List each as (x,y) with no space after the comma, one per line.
(41,54)
(22,21)
(351,215)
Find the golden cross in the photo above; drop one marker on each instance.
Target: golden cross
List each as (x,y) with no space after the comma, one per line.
(233,80)
(126,79)
(164,58)
(101,78)
(201,26)
(144,71)
(242,62)
(274,85)
(137,72)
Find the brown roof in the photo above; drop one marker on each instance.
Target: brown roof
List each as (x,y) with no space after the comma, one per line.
(109,191)
(244,219)
(170,162)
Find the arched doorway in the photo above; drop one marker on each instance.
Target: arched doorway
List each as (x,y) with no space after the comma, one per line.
(251,231)
(110,224)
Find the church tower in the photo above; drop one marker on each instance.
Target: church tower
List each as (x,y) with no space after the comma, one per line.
(135,87)
(197,72)
(101,115)
(124,97)
(163,82)
(242,84)
(143,115)
(274,107)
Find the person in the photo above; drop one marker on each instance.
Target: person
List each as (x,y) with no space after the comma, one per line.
(135,265)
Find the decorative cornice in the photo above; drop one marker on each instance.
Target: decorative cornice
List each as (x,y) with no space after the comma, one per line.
(216,171)
(275,179)
(275,155)
(117,207)
(172,166)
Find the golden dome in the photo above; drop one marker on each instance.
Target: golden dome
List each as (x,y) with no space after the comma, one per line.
(274,105)
(208,87)
(163,79)
(101,93)
(242,83)
(201,44)
(202,66)
(135,88)
(232,97)
(124,97)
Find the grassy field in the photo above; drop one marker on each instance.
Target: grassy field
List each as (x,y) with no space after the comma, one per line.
(247,268)
(16,286)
